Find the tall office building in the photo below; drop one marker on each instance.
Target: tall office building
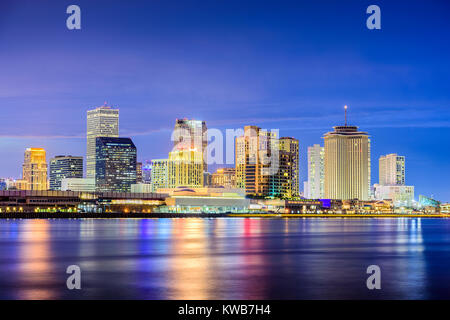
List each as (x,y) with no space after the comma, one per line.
(191,134)
(115,164)
(159,174)
(139,177)
(34,170)
(285,182)
(316,172)
(255,160)
(185,168)
(101,122)
(147,172)
(392,170)
(347,163)
(62,167)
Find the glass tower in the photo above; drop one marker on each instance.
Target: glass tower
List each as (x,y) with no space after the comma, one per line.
(115,168)
(62,167)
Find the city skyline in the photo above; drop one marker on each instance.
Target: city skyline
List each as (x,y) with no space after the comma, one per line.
(394,88)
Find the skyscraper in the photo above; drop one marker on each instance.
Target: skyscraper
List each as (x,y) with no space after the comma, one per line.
(101,122)
(115,164)
(185,168)
(147,172)
(256,160)
(139,177)
(62,167)
(34,170)
(316,174)
(347,163)
(392,170)
(159,174)
(189,133)
(285,182)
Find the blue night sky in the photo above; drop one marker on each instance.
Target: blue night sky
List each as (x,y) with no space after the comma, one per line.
(290,65)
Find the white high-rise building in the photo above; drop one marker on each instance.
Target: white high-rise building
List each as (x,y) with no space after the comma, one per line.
(316,175)
(101,122)
(392,170)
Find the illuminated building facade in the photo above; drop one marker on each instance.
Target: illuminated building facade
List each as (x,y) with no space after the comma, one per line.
(101,122)
(392,170)
(224,177)
(139,177)
(191,134)
(34,170)
(64,167)
(147,172)
(185,168)
(159,174)
(347,164)
(115,164)
(286,182)
(401,196)
(316,172)
(256,159)
(78,184)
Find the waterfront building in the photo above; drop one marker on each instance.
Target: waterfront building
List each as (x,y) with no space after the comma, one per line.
(347,163)
(101,122)
(256,159)
(204,200)
(316,172)
(224,177)
(400,195)
(392,170)
(34,170)
(78,184)
(72,202)
(445,208)
(185,168)
(159,174)
(115,164)
(141,188)
(64,167)
(191,134)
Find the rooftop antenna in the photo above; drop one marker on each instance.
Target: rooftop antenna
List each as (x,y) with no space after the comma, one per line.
(345,107)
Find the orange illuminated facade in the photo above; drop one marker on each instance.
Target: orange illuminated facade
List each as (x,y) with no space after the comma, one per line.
(34,170)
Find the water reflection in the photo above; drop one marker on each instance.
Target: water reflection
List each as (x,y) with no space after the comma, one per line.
(225,258)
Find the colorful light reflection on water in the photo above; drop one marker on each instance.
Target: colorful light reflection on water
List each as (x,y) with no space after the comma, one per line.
(225,258)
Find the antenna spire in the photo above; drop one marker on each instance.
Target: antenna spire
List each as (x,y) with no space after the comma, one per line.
(345,107)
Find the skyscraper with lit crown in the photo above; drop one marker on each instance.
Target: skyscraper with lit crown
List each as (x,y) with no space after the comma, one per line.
(101,122)
(347,163)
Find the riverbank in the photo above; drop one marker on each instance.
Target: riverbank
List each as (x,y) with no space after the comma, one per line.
(66,215)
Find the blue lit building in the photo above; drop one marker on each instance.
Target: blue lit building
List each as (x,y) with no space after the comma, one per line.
(62,167)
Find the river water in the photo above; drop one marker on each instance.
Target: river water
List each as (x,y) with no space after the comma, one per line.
(225,258)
